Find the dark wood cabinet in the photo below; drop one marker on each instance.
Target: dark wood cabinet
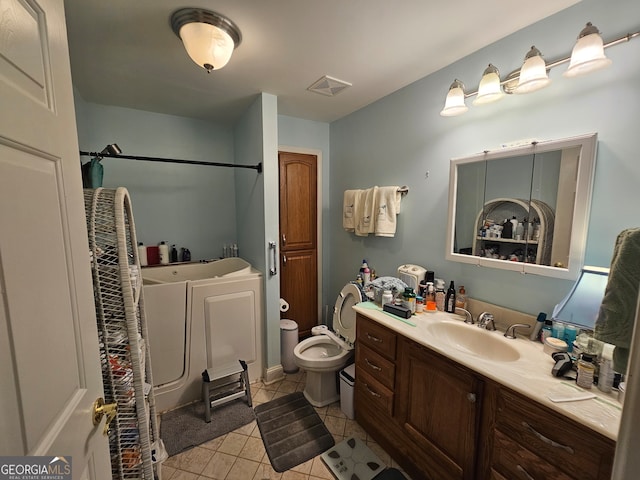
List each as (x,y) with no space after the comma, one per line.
(437,404)
(531,441)
(440,420)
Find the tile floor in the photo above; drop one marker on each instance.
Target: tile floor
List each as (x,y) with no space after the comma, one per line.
(240,455)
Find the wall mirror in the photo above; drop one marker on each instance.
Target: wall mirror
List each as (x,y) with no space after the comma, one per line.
(523,208)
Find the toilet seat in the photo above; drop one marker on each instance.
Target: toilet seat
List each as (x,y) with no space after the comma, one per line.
(344,317)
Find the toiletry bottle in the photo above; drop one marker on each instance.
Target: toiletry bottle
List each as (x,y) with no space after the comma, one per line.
(586,370)
(450,299)
(142,254)
(362,267)
(366,277)
(173,256)
(419,304)
(535,335)
(163,252)
(440,295)
(507,229)
(461,298)
(519,235)
(387,297)
(546,330)
(409,299)
(606,373)
(186,255)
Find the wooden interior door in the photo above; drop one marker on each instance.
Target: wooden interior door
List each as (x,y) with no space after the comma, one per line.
(298,238)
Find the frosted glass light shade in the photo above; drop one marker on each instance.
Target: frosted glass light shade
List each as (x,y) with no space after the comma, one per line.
(208,37)
(454,104)
(207,45)
(588,53)
(489,89)
(533,74)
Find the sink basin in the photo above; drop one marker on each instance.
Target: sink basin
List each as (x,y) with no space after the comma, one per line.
(474,340)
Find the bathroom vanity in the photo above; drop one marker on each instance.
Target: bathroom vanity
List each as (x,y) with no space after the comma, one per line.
(445,411)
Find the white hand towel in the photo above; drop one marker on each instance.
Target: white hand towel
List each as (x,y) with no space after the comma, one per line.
(365,212)
(387,207)
(348,210)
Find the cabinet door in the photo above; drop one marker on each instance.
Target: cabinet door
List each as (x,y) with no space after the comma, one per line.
(438,408)
(299,287)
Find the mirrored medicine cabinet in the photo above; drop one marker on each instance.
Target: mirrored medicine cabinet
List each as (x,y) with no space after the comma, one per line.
(523,208)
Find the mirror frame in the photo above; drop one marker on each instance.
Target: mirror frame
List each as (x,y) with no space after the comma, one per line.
(581,205)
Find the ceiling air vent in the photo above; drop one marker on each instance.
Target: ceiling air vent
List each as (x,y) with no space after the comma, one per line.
(328,86)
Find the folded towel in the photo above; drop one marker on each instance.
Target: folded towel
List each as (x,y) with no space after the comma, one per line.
(617,314)
(365,211)
(387,207)
(348,210)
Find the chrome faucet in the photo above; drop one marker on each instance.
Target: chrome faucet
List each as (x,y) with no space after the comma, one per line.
(486,321)
(467,314)
(511,331)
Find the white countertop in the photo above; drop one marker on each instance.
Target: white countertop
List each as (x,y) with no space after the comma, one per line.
(529,375)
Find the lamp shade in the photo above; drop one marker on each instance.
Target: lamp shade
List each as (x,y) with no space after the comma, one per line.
(208,37)
(533,74)
(454,104)
(588,53)
(489,89)
(582,303)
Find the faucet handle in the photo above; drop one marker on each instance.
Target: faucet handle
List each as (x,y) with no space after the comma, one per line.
(486,321)
(511,331)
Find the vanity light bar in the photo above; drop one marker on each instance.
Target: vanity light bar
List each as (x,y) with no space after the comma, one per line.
(587,56)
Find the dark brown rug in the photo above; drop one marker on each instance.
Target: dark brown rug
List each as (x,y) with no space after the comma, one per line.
(184,427)
(292,431)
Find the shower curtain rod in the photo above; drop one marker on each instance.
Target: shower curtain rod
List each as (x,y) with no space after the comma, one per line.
(101,155)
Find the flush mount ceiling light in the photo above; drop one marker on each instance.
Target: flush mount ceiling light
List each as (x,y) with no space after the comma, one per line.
(587,56)
(208,37)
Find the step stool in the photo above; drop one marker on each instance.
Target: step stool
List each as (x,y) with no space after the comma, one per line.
(223,384)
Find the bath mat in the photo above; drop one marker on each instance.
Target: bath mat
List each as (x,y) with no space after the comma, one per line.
(292,431)
(185,428)
(352,459)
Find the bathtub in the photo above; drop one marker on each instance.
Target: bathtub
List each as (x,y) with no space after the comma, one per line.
(200,315)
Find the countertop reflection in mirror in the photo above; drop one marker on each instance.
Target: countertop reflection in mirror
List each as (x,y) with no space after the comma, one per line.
(523,208)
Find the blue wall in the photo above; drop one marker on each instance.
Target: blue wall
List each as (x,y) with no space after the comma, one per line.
(190,205)
(400,138)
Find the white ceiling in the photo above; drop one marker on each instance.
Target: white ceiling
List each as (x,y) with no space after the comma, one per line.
(124,52)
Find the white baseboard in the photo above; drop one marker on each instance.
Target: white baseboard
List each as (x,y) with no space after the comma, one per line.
(273,374)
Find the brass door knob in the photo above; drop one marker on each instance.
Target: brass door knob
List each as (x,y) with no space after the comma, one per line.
(100,409)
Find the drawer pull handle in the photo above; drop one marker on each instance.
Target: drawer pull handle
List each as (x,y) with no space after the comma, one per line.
(471,397)
(375,367)
(547,440)
(524,472)
(375,339)
(375,394)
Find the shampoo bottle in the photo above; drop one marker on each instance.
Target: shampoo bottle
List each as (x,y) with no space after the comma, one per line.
(450,299)
(142,254)
(163,251)
(440,295)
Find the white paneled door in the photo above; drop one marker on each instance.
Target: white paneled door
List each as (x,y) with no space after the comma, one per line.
(49,363)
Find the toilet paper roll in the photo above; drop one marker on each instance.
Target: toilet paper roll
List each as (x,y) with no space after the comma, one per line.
(284,306)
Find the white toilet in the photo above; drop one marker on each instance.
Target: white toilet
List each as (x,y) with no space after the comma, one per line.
(326,352)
